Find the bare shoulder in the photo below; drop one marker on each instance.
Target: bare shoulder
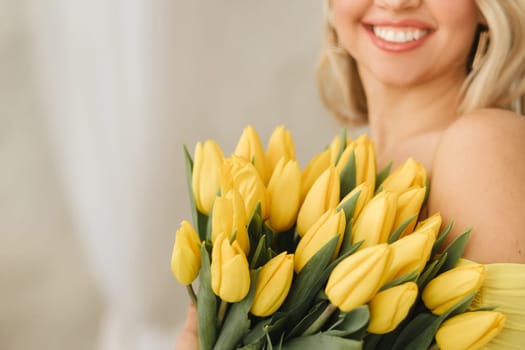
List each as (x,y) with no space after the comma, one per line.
(478,180)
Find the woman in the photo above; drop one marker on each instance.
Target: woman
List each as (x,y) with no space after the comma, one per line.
(443,81)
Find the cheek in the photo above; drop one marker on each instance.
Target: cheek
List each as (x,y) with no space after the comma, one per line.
(459,14)
(346,16)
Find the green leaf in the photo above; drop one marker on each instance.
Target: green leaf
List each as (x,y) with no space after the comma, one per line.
(484,308)
(411,276)
(255,228)
(431,271)
(322,341)
(344,136)
(258,332)
(460,307)
(455,250)
(237,323)
(348,176)
(259,255)
(309,281)
(346,245)
(382,175)
(189,175)
(420,331)
(441,238)
(348,207)
(351,250)
(351,322)
(307,320)
(395,235)
(250,347)
(206,304)
(262,330)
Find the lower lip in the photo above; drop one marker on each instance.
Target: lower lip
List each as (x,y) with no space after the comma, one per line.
(396,47)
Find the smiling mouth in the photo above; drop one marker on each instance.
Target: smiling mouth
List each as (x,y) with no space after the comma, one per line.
(398,35)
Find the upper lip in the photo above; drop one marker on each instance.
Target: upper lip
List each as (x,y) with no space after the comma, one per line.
(403,23)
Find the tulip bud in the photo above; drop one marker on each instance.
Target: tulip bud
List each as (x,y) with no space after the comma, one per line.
(336,148)
(242,175)
(313,170)
(323,195)
(365,160)
(357,278)
(410,253)
(409,174)
(250,148)
(450,287)
(229,217)
(364,195)
(374,224)
(206,175)
(280,145)
(330,224)
(390,307)
(284,193)
(470,330)
(230,273)
(186,257)
(273,283)
(431,224)
(408,204)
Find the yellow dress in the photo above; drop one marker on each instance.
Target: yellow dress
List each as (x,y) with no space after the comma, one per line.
(504,287)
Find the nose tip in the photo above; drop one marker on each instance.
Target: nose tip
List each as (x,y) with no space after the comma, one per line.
(398,4)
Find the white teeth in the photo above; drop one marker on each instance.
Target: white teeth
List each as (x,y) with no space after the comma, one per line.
(399,35)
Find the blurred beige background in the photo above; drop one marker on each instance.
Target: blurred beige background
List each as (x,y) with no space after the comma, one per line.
(96,100)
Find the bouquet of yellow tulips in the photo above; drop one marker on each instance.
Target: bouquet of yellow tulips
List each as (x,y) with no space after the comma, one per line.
(335,256)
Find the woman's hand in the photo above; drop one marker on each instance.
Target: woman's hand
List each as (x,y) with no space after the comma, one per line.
(188,338)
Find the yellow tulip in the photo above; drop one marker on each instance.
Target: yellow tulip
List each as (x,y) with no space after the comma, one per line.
(230,273)
(364,196)
(390,307)
(229,217)
(450,287)
(365,160)
(375,223)
(335,148)
(323,195)
(280,145)
(242,175)
(431,224)
(330,224)
(408,204)
(186,256)
(250,148)
(470,330)
(410,253)
(315,167)
(409,174)
(273,284)
(284,194)
(206,176)
(357,278)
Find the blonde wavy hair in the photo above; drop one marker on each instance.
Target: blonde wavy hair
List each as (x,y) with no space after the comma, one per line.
(498,81)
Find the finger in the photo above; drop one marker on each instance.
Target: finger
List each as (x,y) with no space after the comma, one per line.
(188,338)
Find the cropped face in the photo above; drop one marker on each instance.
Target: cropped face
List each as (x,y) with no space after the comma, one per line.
(407,42)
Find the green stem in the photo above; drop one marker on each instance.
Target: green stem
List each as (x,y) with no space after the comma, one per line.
(191,293)
(321,320)
(222,313)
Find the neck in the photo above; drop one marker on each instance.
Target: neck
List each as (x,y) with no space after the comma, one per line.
(400,114)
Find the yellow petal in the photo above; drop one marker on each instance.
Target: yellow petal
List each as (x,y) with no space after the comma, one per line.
(390,307)
(470,330)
